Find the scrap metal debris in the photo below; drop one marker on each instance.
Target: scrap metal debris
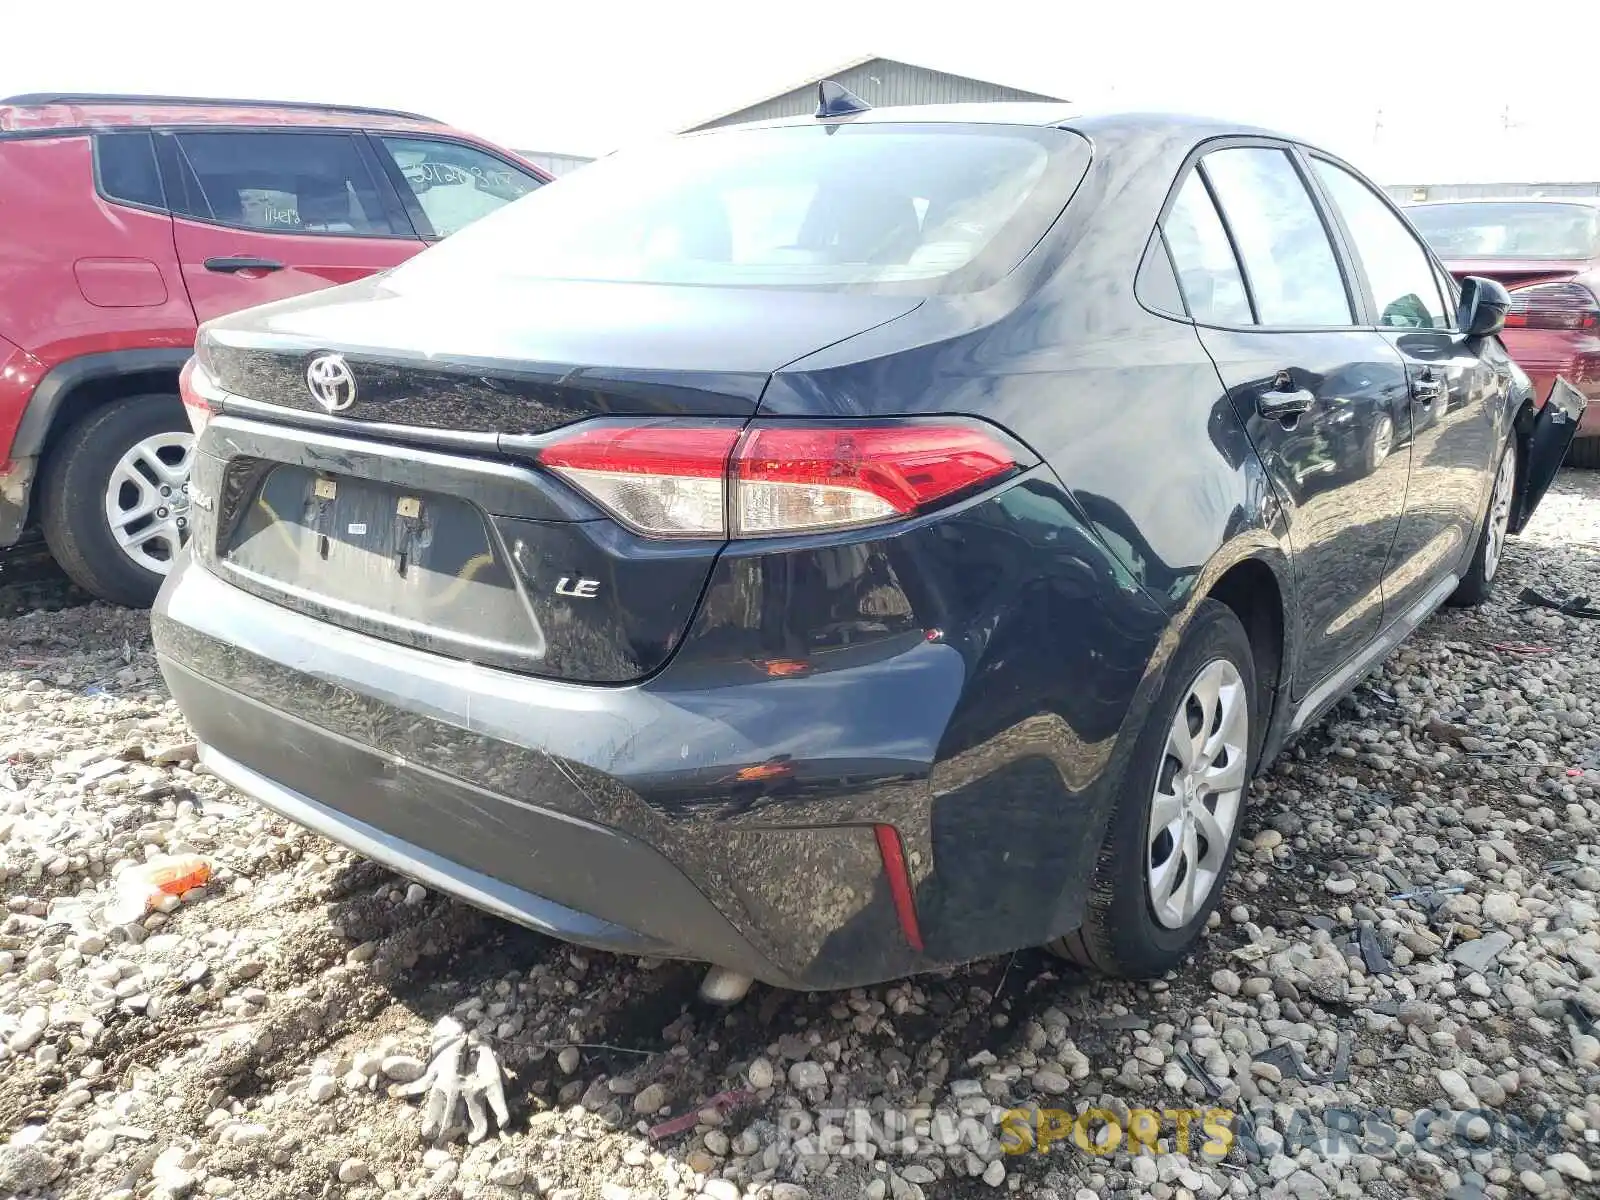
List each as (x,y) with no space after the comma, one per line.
(722,1102)
(1580,1017)
(1198,1072)
(1340,1072)
(1572,606)
(1287,1059)
(1372,952)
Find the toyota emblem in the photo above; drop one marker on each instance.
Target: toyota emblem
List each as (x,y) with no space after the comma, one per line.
(331,383)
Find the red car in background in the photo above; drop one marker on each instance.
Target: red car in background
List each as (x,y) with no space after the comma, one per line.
(125,221)
(1546,251)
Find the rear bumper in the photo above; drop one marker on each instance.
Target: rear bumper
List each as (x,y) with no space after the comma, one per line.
(409,859)
(931,787)
(568,809)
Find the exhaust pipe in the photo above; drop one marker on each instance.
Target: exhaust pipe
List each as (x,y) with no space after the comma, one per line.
(722,986)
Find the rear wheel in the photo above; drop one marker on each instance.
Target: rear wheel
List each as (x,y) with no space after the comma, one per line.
(1171,838)
(1478,582)
(115,497)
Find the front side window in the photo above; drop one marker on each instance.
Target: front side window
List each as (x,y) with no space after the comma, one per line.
(456,184)
(1289,262)
(1399,271)
(1208,273)
(279,183)
(919,208)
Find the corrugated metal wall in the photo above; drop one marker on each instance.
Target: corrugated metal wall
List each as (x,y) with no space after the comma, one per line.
(880,82)
(1410,193)
(556,164)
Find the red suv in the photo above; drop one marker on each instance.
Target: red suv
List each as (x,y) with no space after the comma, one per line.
(125,221)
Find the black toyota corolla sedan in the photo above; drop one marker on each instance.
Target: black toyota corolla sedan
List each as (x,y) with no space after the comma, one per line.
(845,546)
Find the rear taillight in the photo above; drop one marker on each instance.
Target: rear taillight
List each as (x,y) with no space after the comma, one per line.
(683,480)
(792,478)
(202,398)
(1553,306)
(664,480)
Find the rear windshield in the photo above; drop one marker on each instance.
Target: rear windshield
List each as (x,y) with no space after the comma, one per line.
(925,208)
(1507,230)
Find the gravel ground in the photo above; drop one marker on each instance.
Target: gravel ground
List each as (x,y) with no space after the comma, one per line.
(1396,999)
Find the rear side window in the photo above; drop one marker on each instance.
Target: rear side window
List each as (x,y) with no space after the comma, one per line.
(125,164)
(1208,273)
(456,184)
(279,183)
(1156,284)
(1289,263)
(898,207)
(1399,272)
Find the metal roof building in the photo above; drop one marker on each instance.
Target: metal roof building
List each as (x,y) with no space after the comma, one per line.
(881,82)
(556,164)
(1410,193)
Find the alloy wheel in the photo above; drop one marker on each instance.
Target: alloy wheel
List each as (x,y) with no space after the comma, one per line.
(1198,794)
(1382,441)
(147,500)
(1499,514)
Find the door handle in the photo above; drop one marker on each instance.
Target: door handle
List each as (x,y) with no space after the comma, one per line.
(242,262)
(1284,405)
(1427,388)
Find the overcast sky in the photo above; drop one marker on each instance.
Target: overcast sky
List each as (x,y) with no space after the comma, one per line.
(1433,92)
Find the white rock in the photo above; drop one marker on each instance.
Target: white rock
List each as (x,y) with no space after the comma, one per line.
(1047,1079)
(760,1074)
(507,1172)
(1570,1165)
(807,1074)
(352,1170)
(1226,982)
(1503,908)
(403,1068)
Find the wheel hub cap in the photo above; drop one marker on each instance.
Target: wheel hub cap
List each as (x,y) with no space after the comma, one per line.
(147,500)
(1198,794)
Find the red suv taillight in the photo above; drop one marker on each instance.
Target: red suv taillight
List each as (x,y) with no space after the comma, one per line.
(202,399)
(1553,306)
(678,480)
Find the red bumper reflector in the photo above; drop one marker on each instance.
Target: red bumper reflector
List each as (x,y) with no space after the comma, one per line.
(894,867)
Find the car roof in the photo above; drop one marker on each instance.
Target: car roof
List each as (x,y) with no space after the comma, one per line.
(1024,112)
(51,112)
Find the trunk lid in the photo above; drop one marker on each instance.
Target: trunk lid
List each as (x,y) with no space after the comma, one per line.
(417,514)
(1514,272)
(526,356)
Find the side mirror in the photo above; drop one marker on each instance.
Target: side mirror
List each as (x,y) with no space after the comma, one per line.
(1483,307)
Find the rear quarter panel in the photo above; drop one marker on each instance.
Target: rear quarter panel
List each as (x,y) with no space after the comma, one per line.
(1148,473)
(1123,404)
(82,275)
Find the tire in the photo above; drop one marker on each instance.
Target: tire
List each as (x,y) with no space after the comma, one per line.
(1122,933)
(74,496)
(1584,452)
(1489,553)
